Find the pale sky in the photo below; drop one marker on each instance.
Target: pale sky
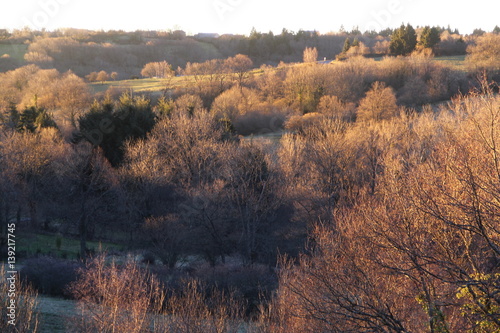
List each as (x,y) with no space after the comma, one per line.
(239,16)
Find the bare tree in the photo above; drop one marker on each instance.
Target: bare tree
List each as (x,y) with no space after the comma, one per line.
(102,76)
(379,104)
(310,54)
(114,298)
(240,64)
(210,76)
(28,159)
(485,54)
(92,186)
(194,310)
(160,70)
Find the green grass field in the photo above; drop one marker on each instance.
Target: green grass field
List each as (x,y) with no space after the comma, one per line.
(456,62)
(151,85)
(142,85)
(15,51)
(59,246)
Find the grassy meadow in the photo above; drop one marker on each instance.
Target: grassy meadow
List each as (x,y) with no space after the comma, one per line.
(60,246)
(156,85)
(15,51)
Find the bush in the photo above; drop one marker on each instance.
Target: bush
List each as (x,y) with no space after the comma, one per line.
(196,309)
(120,298)
(300,123)
(332,106)
(259,122)
(26,319)
(235,101)
(485,55)
(50,276)
(115,298)
(379,104)
(251,282)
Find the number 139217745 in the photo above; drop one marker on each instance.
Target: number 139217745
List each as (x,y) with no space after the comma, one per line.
(11,246)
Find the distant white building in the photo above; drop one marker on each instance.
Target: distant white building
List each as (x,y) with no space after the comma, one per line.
(206,35)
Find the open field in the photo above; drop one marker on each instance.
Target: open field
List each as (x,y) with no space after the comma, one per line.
(140,85)
(155,85)
(60,246)
(15,51)
(457,62)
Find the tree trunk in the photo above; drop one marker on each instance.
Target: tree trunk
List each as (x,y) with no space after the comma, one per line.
(82,230)
(33,214)
(18,214)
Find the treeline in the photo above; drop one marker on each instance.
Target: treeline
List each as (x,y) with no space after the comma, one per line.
(260,101)
(64,53)
(84,52)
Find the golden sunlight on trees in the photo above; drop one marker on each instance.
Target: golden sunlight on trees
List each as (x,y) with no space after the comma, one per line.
(240,64)
(485,54)
(429,37)
(157,69)
(379,104)
(115,299)
(38,58)
(30,171)
(332,106)
(24,314)
(102,76)
(235,102)
(65,95)
(361,195)
(310,54)
(193,310)
(427,232)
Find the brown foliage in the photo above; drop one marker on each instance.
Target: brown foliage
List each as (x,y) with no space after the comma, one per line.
(332,106)
(485,54)
(379,104)
(193,310)
(310,54)
(26,86)
(417,253)
(157,69)
(26,316)
(126,298)
(113,298)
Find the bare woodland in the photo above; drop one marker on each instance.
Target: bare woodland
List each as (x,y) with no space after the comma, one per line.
(377,209)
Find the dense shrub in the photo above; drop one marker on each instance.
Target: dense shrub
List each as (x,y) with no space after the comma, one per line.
(248,281)
(259,122)
(110,125)
(50,276)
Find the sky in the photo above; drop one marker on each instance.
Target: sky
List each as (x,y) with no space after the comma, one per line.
(240,16)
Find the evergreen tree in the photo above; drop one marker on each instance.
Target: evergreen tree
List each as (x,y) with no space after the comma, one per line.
(355,31)
(496,30)
(355,42)
(478,32)
(109,125)
(347,45)
(31,119)
(430,37)
(403,40)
